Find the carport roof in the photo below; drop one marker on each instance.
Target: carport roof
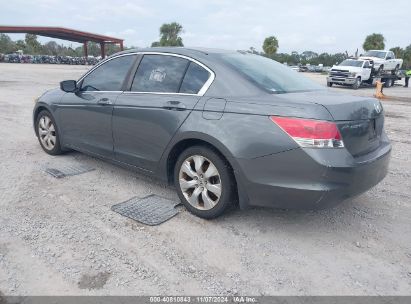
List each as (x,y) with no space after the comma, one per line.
(60,33)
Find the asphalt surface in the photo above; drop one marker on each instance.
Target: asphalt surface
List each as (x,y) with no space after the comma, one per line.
(59,236)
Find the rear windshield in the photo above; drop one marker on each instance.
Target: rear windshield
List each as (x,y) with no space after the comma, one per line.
(353,63)
(269,74)
(378,54)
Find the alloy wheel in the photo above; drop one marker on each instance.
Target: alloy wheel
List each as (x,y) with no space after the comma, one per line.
(200,182)
(47,133)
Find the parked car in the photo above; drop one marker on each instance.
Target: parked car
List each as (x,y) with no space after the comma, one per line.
(311,68)
(222,126)
(383,61)
(351,72)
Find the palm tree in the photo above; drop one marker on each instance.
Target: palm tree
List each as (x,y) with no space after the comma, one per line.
(270,45)
(170,35)
(374,42)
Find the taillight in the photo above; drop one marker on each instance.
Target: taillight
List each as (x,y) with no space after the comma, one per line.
(311,133)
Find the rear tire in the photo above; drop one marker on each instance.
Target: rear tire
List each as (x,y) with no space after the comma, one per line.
(388,83)
(47,133)
(204,181)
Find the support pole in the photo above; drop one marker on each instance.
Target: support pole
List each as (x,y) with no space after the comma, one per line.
(103,50)
(121,46)
(85,49)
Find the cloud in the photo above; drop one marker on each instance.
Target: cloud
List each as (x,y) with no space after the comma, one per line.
(326,40)
(298,24)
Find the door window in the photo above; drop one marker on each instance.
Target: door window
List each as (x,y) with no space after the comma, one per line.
(109,76)
(159,73)
(194,79)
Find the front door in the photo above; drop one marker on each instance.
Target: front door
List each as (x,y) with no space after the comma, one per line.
(86,116)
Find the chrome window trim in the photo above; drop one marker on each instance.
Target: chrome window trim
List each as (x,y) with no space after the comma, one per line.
(100,64)
(201,92)
(160,93)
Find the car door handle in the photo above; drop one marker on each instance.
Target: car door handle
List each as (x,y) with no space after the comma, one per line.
(174,105)
(104,101)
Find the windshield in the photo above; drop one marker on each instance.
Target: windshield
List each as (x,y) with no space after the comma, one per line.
(353,63)
(379,54)
(269,74)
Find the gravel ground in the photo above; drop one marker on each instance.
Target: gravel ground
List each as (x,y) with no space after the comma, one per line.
(59,236)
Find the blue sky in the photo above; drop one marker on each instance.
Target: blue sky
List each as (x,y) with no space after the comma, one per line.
(320,26)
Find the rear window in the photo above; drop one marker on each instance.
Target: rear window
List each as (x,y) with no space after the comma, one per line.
(353,63)
(194,79)
(379,54)
(269,74)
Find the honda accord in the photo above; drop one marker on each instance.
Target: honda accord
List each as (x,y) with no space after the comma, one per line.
(222,126)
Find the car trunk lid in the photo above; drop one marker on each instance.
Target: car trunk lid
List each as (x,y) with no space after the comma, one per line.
(359,119)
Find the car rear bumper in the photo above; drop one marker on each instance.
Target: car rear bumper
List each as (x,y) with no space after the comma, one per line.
(311,178)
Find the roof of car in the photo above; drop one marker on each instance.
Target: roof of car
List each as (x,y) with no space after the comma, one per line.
(192,51)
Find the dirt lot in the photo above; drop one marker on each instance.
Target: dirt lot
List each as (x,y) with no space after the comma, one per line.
(59,236)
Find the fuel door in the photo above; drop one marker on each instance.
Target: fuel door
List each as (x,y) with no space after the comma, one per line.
(214,108)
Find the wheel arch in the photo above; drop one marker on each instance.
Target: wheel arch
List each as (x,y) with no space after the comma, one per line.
(38,108)
(188,141)
(192,139)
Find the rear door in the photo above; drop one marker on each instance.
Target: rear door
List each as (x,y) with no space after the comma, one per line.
(163,92)
(86,116)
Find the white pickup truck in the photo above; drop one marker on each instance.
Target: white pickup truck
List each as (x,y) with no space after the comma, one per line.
(351,72)
(382,61)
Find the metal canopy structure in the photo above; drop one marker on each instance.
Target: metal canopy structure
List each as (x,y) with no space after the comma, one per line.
(65,34)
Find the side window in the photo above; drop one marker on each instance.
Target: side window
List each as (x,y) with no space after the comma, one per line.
(366,64)
(109,76)
(392,55)
(194,79)
(159,73)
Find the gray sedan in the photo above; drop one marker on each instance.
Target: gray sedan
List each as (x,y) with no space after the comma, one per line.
(222,126)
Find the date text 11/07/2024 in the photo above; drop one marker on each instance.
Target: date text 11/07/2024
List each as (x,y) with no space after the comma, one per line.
(203,299)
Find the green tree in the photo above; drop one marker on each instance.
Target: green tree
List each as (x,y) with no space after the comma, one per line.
(398,52)
(407,58)
(374,42)
(270,45)
(32,45)
(21,45)
(7,45)
(51,48)
(170,35)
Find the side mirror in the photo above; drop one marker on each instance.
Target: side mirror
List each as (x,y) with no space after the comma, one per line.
(69,86)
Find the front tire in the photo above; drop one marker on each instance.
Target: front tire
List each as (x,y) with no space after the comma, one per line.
(380,70)
(329,84)
(204,182)
(357,84)
(47,133)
